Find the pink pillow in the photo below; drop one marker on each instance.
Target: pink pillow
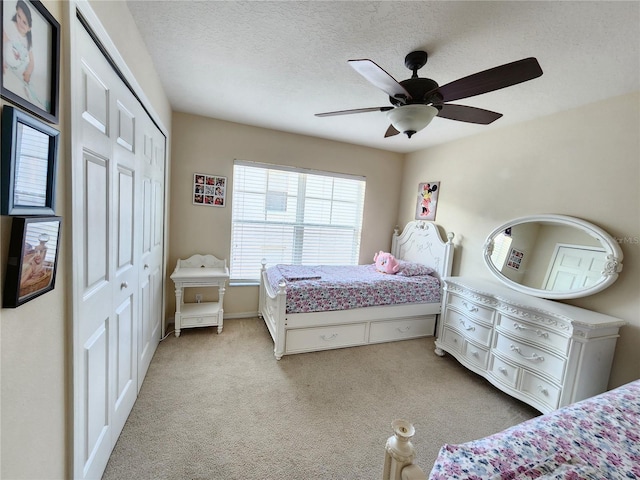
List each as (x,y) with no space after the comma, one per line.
(411,269)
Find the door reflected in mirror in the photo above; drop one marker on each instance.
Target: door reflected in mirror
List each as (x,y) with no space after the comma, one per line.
(553,256)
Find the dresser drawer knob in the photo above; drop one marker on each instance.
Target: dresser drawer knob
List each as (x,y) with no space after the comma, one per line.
(469,328)
(475,354)
(471,308)
(328,337)
(534,356)
(543,390)
(503,370)
(538,332)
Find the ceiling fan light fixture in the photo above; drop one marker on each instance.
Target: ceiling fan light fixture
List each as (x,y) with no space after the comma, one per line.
(410,119)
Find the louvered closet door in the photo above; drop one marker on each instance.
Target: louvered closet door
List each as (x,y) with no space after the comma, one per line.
(117,278)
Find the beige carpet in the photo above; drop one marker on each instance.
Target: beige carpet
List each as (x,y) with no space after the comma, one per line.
(221,407)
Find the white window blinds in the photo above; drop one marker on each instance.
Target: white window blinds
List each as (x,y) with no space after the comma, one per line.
(293,216)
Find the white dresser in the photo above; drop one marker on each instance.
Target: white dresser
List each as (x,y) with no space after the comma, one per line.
(545,353)
(199,271)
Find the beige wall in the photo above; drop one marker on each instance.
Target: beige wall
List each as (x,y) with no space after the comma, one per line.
(205,145)
(35,346)
(583,163)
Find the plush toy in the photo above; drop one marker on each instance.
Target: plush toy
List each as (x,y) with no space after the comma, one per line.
(386,263)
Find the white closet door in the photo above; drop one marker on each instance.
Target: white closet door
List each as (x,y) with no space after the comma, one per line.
(151,279)
(118,207)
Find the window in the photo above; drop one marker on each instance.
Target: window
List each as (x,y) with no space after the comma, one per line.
(293,216)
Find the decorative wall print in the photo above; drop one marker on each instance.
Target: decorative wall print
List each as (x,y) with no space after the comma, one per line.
(209,190)
(29,157)
(33,259)
(30,57)
(515,259)
(427,200)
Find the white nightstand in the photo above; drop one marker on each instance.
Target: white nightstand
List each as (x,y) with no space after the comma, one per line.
(199,271)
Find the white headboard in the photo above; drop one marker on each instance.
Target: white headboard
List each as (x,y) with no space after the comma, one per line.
(421,242)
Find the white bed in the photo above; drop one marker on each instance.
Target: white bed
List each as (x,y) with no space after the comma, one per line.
(420,242)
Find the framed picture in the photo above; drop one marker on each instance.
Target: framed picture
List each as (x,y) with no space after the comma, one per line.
(209,190)
(427,200)
(515,259)
(29,156)
(33,259)
(30,57)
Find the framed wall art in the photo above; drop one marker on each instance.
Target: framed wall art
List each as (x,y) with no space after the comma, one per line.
(427,200)
(30,57)
(29,157)
(515,259)
(209,190)
(33,259)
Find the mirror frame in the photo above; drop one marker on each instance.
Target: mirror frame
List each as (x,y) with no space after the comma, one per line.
(612,266)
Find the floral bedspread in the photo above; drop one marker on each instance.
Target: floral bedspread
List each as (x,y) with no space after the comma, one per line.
(329,287)
(597,438)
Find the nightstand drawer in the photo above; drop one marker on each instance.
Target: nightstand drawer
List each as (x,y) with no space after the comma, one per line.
(206,321)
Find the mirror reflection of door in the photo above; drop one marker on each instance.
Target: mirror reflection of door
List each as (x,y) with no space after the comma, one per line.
(574,266)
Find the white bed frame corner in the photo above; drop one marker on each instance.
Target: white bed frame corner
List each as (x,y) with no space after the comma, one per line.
(419,242)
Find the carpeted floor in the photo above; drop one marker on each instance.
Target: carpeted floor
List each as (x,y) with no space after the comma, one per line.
(221,407)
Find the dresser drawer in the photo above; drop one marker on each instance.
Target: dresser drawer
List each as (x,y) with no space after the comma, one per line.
(470,308)
(468,327)
(534,333)
(452,339)
(476,355)
(322,338)
(543,391)
(455,343)
(388,331)
(503,372)
(530,356)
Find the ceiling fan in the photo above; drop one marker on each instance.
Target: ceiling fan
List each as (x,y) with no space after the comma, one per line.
(416,101)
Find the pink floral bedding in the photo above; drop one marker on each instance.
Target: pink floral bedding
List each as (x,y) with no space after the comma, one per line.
(598,438)
(329,287)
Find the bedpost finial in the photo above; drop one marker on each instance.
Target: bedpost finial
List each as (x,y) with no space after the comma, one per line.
(450,236)
(396,231)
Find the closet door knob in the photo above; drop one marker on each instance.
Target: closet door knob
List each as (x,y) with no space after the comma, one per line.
(123,285)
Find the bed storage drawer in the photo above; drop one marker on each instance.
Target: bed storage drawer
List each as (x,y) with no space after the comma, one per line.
(322,338)
(391,330)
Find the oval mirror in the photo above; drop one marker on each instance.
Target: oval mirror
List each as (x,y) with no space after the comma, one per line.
(553,256)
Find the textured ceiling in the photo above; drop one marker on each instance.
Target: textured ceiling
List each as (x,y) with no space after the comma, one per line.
(275,64)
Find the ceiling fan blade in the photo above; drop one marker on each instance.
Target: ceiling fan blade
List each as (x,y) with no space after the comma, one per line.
(380,78)
(462,113)
(391,131)
(355,110)
(490,80)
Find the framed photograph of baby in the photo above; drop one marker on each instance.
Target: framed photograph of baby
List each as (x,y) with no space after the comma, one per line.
(33,259)
(30,56)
